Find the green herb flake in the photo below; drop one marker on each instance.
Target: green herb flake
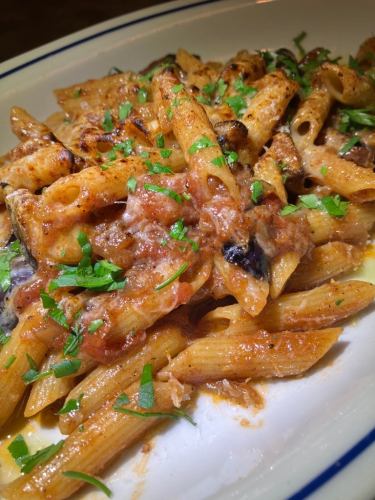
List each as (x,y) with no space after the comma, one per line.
(142,95)
(86,478)
(310,201)
(160,142)
(339,301)
(174,276)
(66,367)
(178,232)
(107,123)
(209,88)
(144,154)
(177,88)
(324,170)
(6,257)
(165,153)
(95,325)
(132,184)
(256,191)
(244,89)
(297,42)
(231,157)
(77,93)
(10,361)
(237,103)
(73,341)
(354,64)
(219,161)
(19,449)
(335,206)
(349,144)
(157,168)
(203,100)
(289,209)
(71,406)
(124,110)
(146,395)
(165,191)
(169,113)
(125,147)
(33,375)
(221,87)
(40,457)
(201,143)
(4,337)
(353,119)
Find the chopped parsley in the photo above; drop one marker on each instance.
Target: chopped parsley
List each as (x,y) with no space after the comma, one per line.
(124,110)
(54,311)
(4,337)
(231,157)
(163,190)
(354,64)
(10,361)
(66,367)
(256,191)
(146,395)
(103,276)
(297,42)
(324,170)
(6,257)
(132,184)
(165,153)
(244,89)
(219,161)
(203,100)
(86,478)
(144,154)
(157,168)
(339,301)
(179,232)
(209,88)
(177,88)
(95,325)
(160,142)
(289,209)
(142,95)
(19,449)
(174,276)
(125,147)
(175,414)
(352,119)
(201,143)
(41,456)
(71,405)
(169,113)
(237,103)
(107,123)
(77,93)
(221,88)
(349,144)
(73,341)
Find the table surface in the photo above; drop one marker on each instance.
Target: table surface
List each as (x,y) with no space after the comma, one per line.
(27,24)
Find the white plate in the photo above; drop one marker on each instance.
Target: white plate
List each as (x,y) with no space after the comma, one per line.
(315,433)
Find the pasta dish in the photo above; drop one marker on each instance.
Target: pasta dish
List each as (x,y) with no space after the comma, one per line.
(175,229)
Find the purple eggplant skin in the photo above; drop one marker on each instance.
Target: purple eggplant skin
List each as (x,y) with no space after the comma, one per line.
(22,269)
(251,259)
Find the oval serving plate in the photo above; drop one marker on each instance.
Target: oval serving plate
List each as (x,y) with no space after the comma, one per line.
(314,435)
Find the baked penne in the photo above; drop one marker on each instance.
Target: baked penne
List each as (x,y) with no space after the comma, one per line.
(282,267)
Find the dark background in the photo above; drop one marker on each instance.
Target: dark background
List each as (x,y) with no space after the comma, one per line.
(25,25)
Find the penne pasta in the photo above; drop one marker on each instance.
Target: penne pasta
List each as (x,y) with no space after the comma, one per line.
(256,356)
(282,267)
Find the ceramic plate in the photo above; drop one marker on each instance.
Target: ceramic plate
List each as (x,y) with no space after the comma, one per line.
(315,435)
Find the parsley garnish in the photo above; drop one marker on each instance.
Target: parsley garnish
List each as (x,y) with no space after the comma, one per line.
(354,64)
(297,42)
(243,89)
(178,232)
(237,103)
(165,153)
(124,110)
(73,341)
(54,311)
(103,276)
(219,161)
(10,361)
(163,190)
(201,143)
(77,93)
(174,276)
(71,405)
(6,257)
(339,301)
(349,144)
(4,337)
(203,100)
(41,456)
(221,88)
(126,147)
(95,325)
(169,113)
(146,395)
(82,476)
(231,157)
(66,367)
(142,95)
(107,123)
(144,154)
(157,168)
(256,191)
(351,119)
(175,414)
(177,88)
(289,209)
(132,184)
(209,88)
(19,449)
(160,142)
(324,170)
